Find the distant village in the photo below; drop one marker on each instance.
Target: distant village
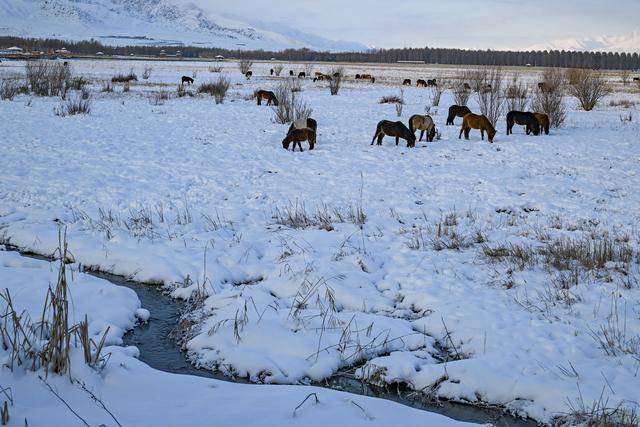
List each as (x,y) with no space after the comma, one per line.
(17,52)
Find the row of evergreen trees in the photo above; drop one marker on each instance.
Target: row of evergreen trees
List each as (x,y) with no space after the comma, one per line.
(554,58)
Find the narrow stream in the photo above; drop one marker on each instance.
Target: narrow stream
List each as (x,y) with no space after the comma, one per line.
(159,350)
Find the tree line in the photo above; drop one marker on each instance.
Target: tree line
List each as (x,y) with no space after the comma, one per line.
(545,58)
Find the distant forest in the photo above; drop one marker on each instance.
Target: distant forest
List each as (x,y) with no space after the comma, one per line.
(553,58)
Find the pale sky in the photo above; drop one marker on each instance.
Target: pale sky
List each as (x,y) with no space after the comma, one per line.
(458,23)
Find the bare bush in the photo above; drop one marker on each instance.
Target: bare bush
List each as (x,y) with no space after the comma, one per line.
(215,69)
(218,89)
(124,78)
(461,94)
(549,97)
(106,86)
(589,87)
(159,97)
(48,78)
(9,89)
(491,96)
(400,105)
(290,106)
(391,99)
(624,77)
(245,66)
(336,80)
(435,92)
(77,104)
(277,69)
(476,78)
(308,69)
(126,87)
(516,95)
(147,73)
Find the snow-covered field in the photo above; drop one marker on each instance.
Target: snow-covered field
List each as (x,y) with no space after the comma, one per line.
(502,274)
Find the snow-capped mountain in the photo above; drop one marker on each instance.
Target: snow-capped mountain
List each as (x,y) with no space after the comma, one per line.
(155,22)
(624,43)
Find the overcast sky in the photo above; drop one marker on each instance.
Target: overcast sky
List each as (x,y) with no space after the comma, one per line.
(458,23)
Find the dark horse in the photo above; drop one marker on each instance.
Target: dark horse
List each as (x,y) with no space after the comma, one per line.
(397,129)
(421,83)
(187,79)
(303,123)
(431,83)
(266,95)
(543,120)
(406,82)
(302,75)
(457,111)
(248,74)
(297,136)
(524,119)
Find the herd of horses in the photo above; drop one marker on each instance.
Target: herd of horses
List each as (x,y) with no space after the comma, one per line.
(306,129)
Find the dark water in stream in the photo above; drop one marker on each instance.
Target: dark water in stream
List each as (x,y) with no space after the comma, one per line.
(159,350)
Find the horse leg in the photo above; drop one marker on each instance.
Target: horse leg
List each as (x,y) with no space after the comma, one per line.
(421,135)
(466,133)
(461,130)
(380,136)
(397,140)
(482,134)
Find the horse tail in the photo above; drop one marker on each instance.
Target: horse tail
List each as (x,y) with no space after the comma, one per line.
(378,131)
(411,128)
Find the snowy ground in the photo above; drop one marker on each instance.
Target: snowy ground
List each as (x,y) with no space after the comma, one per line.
(450,285)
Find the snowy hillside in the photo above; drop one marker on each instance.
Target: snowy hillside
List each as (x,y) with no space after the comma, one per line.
(156,22)
(621,43)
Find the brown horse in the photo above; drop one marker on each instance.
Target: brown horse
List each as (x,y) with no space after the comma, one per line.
(406,82)
(421,83)
(543,121)
(424,124)
(457,111)
(303,123)
(266,95)
(476,121)
(397,129)
(368,77)
(524,119)
(297,136)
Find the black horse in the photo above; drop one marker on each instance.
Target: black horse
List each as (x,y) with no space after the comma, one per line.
(457,111)
(524,119)
(397,129)
(187,79)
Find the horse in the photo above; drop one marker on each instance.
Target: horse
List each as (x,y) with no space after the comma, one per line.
(187,79)
(457,111)
(297,136)
(397,129)
(268,96)
(543,121)
(317,74)
(525,119)
(336,75)
(302,124)
(358,77)
(421,83)
(302,75)
(406,82)
(272,71)
(248,74)
(424,124)
(432,83)
(290,73)
(466,86)
(541,86)
(476,121)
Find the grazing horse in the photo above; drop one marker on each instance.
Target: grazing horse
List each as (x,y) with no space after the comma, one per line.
(317,74)
(432,83)
(302,75)
(266,95)
(476,121)
(336,75)
(543,121)
(368,77)
(290,73)
(297,136)
(636,79)
(541,86)
(466,86)
(302,124)
(397,129)
(358,77)
(457,111)
(424,124)
(272,71)
(524,119)
(406,82)
(187,79)
(421,83)
(248,74)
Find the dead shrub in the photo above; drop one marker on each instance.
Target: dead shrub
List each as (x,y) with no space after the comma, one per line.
(124,78)
(490,96)
(516,94)
(391,99)
(48,78)
(588,87)
(461,94)
(591,254)
(218,89)
(147,73)
(78,104)
(277,69)
(336,80)
(549,98)
(159,97)
(9,89)
(290,106)
(245,66)
(624,103)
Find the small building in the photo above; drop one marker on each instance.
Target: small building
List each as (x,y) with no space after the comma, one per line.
(178,53)
(62,51)
(219,58)
(13,50)
(162,53)
(99,53)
